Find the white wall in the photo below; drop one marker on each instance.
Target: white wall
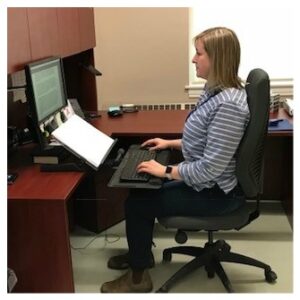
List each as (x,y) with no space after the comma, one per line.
(266,33)
(145,53)
(142,53)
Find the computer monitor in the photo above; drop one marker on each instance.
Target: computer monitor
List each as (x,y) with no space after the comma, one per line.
(45,82)
(46,91)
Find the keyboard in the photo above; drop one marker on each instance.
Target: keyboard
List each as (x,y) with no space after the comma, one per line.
(134,158)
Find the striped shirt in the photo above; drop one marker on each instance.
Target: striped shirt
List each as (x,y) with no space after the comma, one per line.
(211,135)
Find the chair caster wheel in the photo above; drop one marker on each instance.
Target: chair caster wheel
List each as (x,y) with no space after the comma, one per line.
(270,276)
(210,272)
(226,247)
(181,237)
(223,246)
(167,256)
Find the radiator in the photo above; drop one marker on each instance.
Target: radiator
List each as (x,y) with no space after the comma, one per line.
(167,106)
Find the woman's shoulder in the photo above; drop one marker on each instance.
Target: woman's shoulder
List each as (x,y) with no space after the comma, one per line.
(234,96)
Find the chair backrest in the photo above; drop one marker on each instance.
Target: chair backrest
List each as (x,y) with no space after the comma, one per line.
(249,167)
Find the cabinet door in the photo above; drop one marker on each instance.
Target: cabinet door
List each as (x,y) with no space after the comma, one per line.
(18,43)
(68,24)
(43,31)
(87,28)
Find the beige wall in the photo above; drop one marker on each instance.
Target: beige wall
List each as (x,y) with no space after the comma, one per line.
(143,55)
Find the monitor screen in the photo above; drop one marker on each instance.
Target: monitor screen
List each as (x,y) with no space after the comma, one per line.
(46,87)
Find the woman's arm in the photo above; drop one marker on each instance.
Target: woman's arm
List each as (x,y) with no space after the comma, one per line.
(175,144)
(159,144)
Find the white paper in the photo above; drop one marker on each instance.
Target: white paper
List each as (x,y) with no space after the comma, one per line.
(84,140)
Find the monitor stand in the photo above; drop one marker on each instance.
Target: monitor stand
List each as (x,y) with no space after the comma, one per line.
(69,163)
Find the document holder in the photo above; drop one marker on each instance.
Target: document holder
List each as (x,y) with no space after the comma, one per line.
(84,141)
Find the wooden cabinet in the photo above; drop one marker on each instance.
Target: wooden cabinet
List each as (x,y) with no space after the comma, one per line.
(18,43)
(98,207)
(87,28)
(43,32)
(68,35)
(36,33)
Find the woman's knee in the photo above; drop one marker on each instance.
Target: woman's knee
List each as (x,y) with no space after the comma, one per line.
(140,203)
(130,203)
(133,204)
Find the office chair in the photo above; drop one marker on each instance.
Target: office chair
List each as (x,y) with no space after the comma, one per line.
(249,172)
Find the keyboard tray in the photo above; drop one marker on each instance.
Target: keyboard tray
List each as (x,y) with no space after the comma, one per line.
(162,157)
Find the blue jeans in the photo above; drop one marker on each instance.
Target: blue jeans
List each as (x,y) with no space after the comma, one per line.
(175,198)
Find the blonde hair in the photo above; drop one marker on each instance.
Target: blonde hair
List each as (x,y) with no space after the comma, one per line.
(223,49)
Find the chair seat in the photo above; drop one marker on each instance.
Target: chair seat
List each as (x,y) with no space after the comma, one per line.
(233,220)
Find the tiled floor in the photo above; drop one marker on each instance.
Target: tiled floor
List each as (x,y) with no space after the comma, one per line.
(269,239)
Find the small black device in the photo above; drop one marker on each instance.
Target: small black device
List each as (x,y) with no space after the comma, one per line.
(11,177)
(12,138)
(119,157)
(16,137)
(114,111)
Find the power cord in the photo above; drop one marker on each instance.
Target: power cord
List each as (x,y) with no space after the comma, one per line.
(107,240)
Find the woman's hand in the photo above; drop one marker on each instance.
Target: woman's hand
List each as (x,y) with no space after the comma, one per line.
(152,167)
(156,169)
(156,144)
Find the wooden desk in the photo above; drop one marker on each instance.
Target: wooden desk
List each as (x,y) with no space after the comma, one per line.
(278,183)
(278,177)
(143,123)
(38,229)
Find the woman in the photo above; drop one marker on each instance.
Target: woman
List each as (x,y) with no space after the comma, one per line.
(205,182)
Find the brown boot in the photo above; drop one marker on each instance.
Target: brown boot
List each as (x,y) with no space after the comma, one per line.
(120,262)
(124,284)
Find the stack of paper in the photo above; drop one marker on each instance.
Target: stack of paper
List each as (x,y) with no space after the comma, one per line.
(288,105)
(274,103)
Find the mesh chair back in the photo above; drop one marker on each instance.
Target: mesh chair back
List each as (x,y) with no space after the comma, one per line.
(250,153)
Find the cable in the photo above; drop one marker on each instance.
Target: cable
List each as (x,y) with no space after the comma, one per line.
(106,240)
(116,236)
(84,247)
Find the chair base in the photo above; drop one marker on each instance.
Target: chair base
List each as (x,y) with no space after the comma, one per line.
(210,257)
